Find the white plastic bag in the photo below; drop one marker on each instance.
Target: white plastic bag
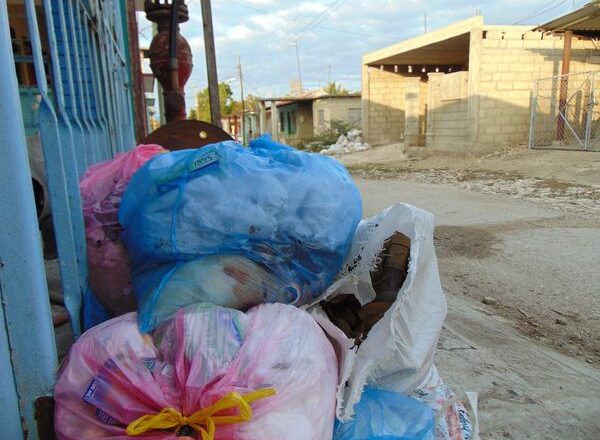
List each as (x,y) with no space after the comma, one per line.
(398,351)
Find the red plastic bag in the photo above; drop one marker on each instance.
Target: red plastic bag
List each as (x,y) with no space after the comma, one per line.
(102,187)
(275,356)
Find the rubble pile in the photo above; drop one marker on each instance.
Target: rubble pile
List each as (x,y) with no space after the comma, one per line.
(350,143)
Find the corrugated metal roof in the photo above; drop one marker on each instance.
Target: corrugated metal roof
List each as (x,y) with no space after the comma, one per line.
(583,20)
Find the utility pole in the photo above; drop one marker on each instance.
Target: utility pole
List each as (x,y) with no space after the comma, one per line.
(211,64)
(295,43)
(425,22)
(242,97)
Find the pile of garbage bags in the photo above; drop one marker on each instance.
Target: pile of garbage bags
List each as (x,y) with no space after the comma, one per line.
(265,309)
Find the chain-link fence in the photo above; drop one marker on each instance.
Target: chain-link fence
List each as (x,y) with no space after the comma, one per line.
(565,112)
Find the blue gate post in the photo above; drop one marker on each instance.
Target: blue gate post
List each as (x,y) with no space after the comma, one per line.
(61,171)
(27,346)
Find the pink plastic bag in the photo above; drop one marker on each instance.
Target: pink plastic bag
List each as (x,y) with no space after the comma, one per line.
(102,187)
(114,375)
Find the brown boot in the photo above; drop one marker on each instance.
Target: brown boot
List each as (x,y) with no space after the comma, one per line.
(388,280)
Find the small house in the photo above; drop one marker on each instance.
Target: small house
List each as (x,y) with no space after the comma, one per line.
(301,118)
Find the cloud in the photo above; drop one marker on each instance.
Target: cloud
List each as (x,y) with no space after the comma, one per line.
(260,31)
(260,2)
(239,32)
(196,43)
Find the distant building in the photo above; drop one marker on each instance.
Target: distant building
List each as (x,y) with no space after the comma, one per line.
(232,124)
(464,87)
(302,117)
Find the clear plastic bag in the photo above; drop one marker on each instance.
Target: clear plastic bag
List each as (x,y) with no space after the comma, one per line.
(102,187)
(115,377)
(385,415)
(292,212)
(223,280)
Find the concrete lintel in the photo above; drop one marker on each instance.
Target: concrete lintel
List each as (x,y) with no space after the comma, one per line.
(454,30)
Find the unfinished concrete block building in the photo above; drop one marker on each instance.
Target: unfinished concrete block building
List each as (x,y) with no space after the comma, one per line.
(466,87)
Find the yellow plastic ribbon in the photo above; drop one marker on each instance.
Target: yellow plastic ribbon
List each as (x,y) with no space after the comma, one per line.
(203,421)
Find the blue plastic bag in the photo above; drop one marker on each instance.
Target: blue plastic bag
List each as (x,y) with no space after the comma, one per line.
(292,213)
(385,415)
(93,312)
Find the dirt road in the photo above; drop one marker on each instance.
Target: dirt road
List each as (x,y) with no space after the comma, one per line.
(533,355)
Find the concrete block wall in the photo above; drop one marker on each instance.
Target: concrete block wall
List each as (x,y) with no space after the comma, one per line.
(447,127)
(510,61)
(423,98)
(413,109)
(383,104)
(333,108)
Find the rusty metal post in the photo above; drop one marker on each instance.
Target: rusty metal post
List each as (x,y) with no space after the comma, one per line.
(170,54)
(564,86)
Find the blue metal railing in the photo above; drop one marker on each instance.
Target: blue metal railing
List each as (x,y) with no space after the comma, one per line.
(86,117)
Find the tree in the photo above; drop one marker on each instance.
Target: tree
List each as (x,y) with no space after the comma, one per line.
(252,103)
(202,109)
(335,89)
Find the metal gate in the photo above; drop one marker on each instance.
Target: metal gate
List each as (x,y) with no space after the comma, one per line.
(565,112)
(81,70)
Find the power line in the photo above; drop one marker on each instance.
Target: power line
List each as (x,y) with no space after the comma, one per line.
(327,11)
(327,28)
(283,45)
(315,22)
(538,11)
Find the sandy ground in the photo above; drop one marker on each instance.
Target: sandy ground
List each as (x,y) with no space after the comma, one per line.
(531,244)
(579,167)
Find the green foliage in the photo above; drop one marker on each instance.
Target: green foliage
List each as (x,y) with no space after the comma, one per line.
(336,128)
(229,106)
(202,109)
(252,103)
(327,136)
(335,89)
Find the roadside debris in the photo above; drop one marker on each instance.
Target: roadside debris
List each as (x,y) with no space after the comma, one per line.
(350,143)
(215,233)
(489,300)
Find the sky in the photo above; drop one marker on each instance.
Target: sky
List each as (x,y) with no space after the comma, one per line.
(331,36)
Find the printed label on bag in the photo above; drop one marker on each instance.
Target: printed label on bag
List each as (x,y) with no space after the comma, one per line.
(91,391)
(93,396)
(106,418)
(204,160)
(167,179)
(149,363)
